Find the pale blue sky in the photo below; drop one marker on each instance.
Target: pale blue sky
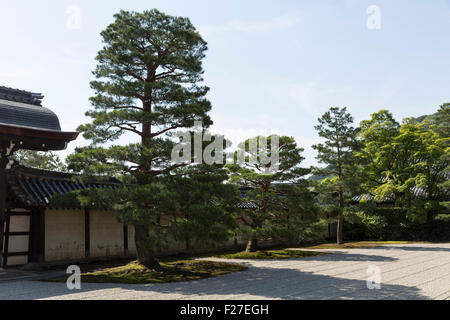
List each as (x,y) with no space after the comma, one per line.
(273,66)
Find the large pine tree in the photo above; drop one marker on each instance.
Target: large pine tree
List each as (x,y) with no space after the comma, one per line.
(148,84)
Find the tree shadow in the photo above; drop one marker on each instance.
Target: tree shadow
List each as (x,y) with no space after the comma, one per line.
(264,280)
(348,256)
(435,248)
(259,283)
(271,282)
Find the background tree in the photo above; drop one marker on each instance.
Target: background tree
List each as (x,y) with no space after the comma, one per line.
(40,160)
(375,156)
(440,120)
(275,209)
(337,152)
(149,83)
(398,159)
(443,129)
(206,205)
(443,121)
(295,218)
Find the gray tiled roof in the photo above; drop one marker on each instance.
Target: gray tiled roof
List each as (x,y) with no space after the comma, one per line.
(29,116)
(23,109)
(247,205)
(20,96)
(35,187)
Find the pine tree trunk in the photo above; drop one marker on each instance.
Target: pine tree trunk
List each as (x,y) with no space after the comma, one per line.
(340,236)
(252,244)
(145,254)
(188,243)
(340,224)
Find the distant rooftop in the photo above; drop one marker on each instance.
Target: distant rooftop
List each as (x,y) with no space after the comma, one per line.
(21,96)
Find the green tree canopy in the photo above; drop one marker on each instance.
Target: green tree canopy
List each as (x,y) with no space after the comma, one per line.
(283,204)
(399,158)
(335,126)
(148,84)
(206,206)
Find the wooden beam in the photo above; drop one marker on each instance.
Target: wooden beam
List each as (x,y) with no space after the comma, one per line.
(42,235)
(6,235)
(18,254)
(38,140)
(37,134)
(19,214)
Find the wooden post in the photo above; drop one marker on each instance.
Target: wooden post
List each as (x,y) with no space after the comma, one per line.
(37,236)
(87,233)
(3,163)
(6,150)
(125,239)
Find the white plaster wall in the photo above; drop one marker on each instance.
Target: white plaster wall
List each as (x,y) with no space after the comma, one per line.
(106,234)
(64,234)
(19,224)
(18,244)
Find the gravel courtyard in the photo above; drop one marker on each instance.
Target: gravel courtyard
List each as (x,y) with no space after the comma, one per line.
(416,271)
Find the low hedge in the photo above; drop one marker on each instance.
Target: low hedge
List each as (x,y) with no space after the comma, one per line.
(384,224)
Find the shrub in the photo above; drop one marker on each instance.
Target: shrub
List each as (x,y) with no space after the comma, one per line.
(363,226)
(367,222)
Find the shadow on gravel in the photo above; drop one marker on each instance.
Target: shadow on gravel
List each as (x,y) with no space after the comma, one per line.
(415,248)
(272,283)
(260,282)
(349,256)
(291,284)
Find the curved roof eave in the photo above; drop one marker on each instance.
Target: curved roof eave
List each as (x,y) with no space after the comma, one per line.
(35,138)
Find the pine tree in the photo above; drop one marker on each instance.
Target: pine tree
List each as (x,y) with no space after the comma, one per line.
(278,207)
(148,84)
(337,152)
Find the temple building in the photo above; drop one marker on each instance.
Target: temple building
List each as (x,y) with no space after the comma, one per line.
(32,229)
(36,229)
